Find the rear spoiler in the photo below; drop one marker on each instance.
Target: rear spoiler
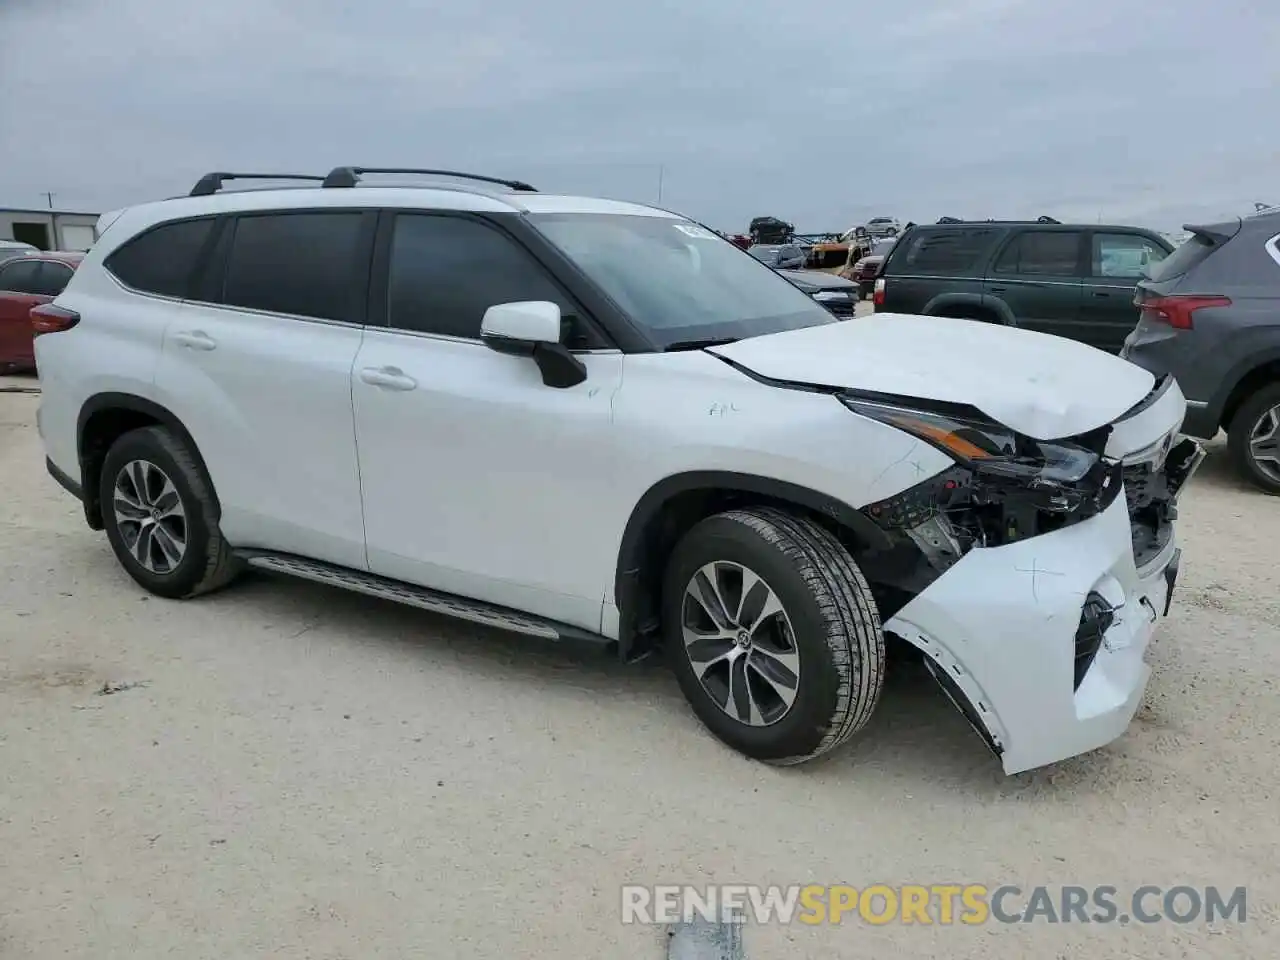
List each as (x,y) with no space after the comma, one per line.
(1217,233)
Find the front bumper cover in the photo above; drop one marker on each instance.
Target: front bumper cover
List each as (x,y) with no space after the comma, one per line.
(1001,624)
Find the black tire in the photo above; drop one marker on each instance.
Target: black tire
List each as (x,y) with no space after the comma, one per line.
(207,562)
(836,627)
(1241,429)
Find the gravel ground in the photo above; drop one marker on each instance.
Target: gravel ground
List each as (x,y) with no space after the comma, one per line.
(301,773)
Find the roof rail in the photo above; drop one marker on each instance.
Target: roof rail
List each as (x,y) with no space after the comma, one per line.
(211,183)
(950,220)
(350,176)
(1047,220)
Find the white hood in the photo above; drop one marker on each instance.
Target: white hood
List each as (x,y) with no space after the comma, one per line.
(1042,386)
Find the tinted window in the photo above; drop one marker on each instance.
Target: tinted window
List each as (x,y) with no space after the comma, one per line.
(1050,253)
(447,271)
(53,278)
(20,276)
(1124,255)
(163,259)
(297,263)
(942,250)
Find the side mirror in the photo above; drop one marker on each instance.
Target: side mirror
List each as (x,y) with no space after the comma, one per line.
(533,328)
(526,322)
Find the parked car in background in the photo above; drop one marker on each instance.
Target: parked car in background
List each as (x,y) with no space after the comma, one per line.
(25,282)
(15,248)
(866,269)
(837,294)
(1210,315)
(780,256)
(883,227)
(1074,281)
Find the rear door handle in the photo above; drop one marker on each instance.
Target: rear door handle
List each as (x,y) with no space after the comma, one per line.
(997,289)
(195,340)
(1103,294)
(393,378)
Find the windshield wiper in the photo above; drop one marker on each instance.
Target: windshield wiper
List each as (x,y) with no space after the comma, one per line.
(699,344)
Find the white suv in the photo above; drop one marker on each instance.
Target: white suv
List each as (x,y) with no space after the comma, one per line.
(592,421)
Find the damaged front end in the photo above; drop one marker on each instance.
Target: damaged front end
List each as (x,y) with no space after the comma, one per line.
(1005,487)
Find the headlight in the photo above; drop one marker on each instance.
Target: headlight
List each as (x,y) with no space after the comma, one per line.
(988,448)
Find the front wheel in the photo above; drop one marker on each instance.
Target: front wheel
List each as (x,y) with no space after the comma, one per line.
(773,634)
(1253,439)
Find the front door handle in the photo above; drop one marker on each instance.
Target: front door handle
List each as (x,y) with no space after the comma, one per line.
(195,340)
(393,378)
(997,289)
(1102,293)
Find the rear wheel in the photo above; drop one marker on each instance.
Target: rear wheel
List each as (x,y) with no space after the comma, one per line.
(772,633)
(1253,439)
(161,517)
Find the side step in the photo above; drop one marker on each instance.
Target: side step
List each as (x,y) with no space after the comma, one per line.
(460,608)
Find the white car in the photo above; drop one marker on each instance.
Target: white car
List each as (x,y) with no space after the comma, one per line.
(595,422)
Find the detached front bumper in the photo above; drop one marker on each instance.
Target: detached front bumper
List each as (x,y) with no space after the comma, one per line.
(1002,626)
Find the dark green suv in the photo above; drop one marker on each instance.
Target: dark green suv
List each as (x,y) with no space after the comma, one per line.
(1076,281)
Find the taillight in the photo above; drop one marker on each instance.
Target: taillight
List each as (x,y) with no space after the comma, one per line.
(47,318)
(1176,311)
(877,295)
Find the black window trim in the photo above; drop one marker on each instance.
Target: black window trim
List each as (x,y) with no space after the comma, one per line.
(204,252)
(508,225)
(218,265)
(1083,257)
(35,277)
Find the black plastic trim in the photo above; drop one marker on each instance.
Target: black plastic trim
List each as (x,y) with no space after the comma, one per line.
(211,183)
(346,177)
(125,401)
(64,481)
(649,506)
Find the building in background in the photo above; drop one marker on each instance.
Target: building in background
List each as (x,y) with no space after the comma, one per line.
(49,229)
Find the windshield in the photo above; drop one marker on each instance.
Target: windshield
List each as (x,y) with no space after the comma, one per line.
(679,280)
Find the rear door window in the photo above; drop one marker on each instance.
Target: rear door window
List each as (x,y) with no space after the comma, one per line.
(20,276)
(1044,253)
(305,264)
(53,278)
(942,251)
(1124,256)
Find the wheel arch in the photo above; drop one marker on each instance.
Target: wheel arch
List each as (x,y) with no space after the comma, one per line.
(674,504)
(105,417)
(969,306)
(1250,376)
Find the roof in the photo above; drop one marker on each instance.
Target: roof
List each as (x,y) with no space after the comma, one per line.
(47,213)
(132,220)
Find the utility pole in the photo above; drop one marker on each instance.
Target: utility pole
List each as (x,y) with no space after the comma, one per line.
(50,197)
(661,172)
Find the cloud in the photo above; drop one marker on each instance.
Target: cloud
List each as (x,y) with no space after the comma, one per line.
(1117,109)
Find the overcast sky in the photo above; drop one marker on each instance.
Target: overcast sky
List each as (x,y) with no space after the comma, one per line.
(1147,111)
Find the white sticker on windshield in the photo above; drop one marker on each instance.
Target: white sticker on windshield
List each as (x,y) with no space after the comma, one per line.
(695,231)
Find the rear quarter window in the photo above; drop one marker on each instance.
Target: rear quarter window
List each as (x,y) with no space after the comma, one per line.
(163,259)
(942,251)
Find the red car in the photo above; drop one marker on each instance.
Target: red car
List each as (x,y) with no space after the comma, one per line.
(26,282)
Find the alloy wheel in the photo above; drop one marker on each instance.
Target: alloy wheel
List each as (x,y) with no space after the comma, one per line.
(1264,443)
(150,516)
(740,643)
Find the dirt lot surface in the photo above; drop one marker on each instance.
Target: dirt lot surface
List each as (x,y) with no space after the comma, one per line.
(301,773)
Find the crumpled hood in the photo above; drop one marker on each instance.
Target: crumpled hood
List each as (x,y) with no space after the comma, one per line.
(1042,386)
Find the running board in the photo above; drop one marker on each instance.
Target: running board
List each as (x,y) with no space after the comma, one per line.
(460,608)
